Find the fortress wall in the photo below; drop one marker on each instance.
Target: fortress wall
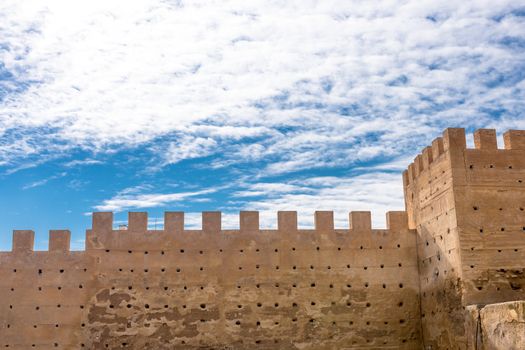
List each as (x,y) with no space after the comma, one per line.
(324,288)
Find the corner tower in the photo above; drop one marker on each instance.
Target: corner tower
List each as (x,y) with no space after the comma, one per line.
(467,206)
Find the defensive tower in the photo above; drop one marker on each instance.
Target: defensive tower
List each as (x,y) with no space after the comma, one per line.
(467,206)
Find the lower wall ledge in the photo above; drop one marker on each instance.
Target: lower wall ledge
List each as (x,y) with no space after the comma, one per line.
(496,326)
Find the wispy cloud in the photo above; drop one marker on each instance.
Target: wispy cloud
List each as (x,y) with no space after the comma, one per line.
(188,147)
(82,162)
(126,200)
(377,192)
(43,181)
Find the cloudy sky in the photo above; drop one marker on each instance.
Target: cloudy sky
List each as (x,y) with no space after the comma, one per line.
(239,105)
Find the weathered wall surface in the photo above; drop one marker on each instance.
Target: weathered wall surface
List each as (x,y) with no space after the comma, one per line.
(242,289)
(468,208)
(496,326)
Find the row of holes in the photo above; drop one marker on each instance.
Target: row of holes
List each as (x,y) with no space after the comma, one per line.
(40,271)
(257,250)
(259,323)
(257,266)
(475,207)
(491,166)
(515,250)
(294,267)
(204,307)
(277,267)
(502,229)
(257,285)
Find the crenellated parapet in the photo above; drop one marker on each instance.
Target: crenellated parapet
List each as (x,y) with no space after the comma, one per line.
(454,142)
(248,221)
(103,228)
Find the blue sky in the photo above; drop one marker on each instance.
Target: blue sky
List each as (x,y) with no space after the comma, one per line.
(239,105)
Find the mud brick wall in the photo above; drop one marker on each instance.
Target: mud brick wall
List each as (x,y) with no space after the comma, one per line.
(468,208)
(324,288)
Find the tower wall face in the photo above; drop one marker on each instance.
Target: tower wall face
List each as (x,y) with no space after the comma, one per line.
(432,211)
(490,193)
(241,289)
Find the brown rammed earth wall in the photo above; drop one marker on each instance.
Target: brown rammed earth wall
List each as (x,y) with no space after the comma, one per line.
(459,246)
(242,289)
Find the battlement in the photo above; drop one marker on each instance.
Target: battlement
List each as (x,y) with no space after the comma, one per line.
(248,221)
(103,228)
(454,141)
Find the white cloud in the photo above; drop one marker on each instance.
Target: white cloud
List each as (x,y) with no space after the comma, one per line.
(188,147)
(322,83)
(82,162)
(376,192)
(130,200)
(268,189)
